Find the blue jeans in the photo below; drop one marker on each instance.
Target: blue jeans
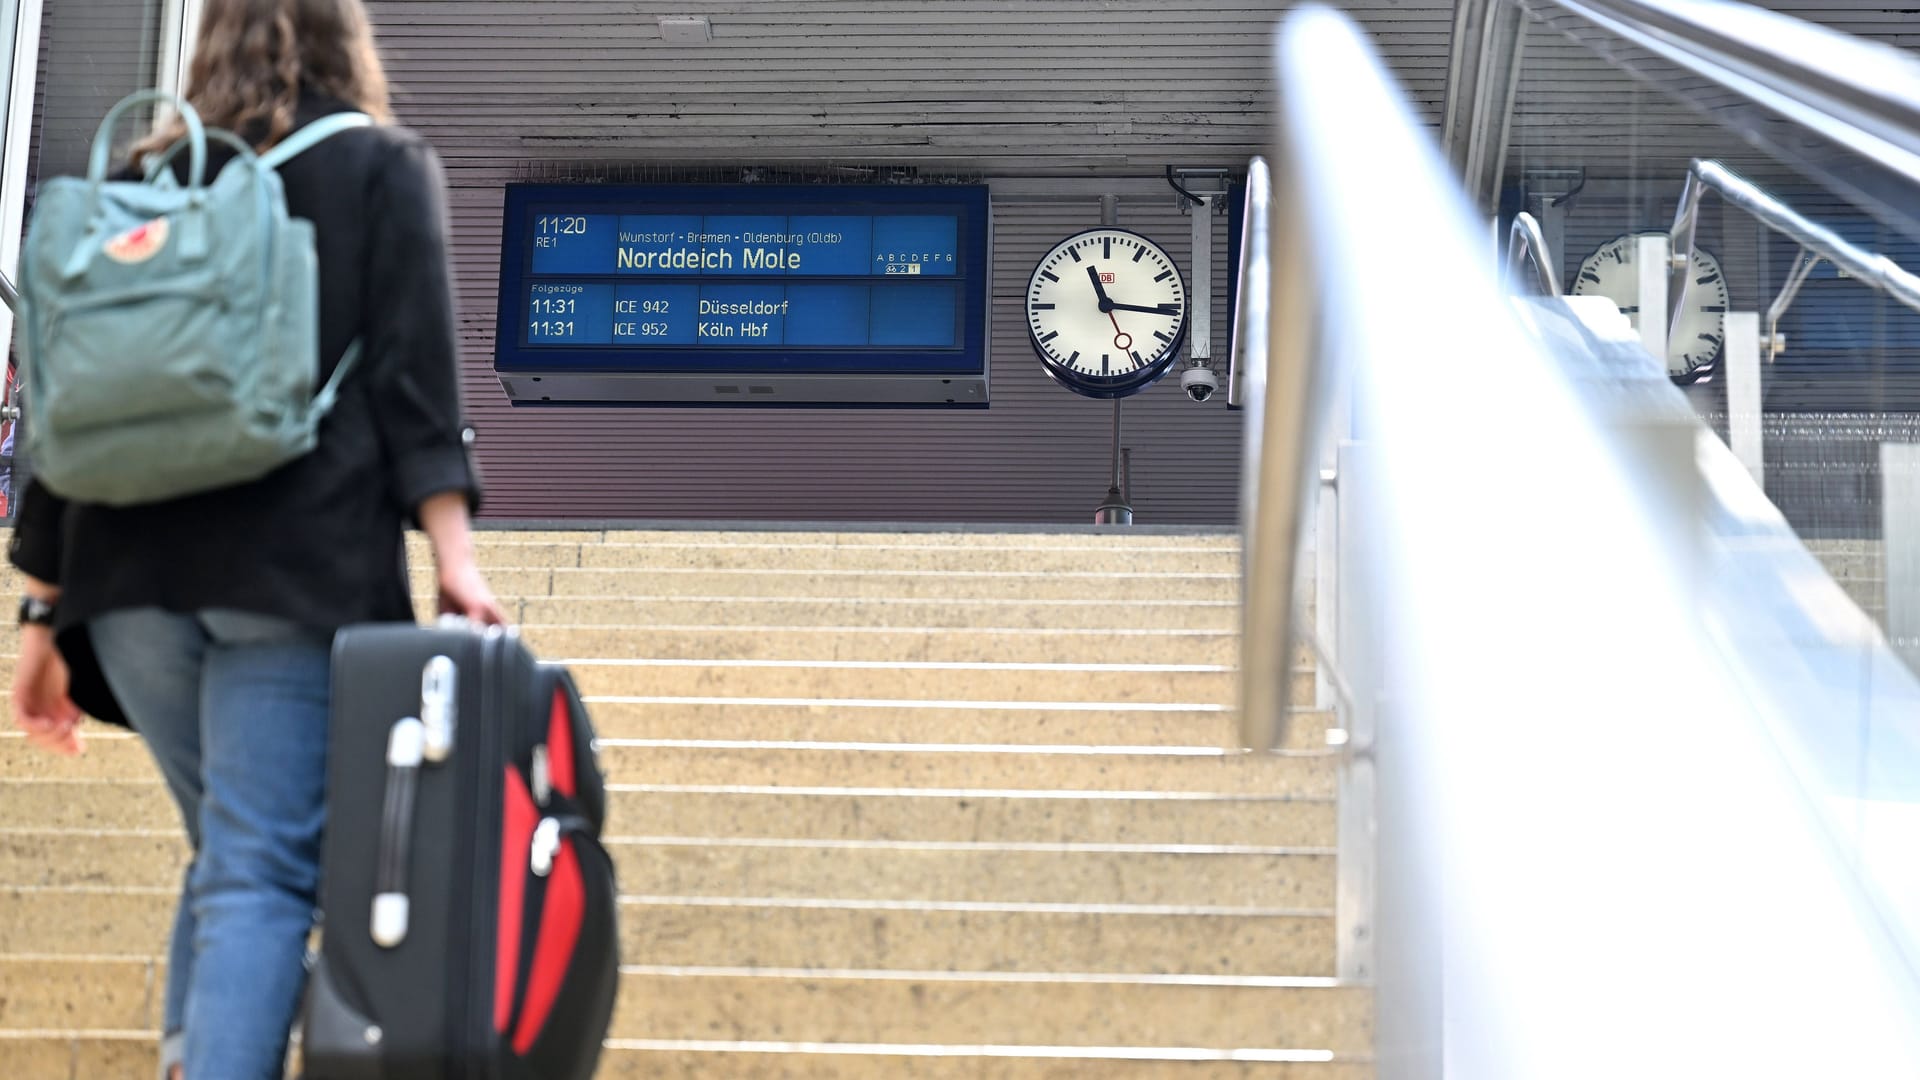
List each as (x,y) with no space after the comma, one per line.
(234,708)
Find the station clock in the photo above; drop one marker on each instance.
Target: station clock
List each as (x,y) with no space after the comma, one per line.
(1106,312)
(1698,331)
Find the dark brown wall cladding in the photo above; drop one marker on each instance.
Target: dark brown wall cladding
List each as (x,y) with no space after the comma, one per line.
(1038,454)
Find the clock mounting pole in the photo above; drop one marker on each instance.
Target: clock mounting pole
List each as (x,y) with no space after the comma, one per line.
(1114,509)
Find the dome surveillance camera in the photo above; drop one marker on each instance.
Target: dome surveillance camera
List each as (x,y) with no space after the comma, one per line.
(1199,383)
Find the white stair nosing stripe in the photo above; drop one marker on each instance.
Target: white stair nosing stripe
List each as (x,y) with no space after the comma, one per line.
(962,793)
(1264,982)
(153,781)
(809,903)
(971,631)
(35,830)
(129,1035)
(93,735)
(901,665)
(1038,848)
(93,890)
(967,601)
(960,748)
(785,843)
(697,545)
(908,703)
(930,572)
(829,792)
(1097,1053)
(1007,907)
(1274,982)
(78,958)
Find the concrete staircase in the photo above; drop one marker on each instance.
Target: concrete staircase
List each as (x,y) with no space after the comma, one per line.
(941,806)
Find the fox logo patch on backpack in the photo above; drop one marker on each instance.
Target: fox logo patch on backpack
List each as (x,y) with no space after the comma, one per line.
(138,244)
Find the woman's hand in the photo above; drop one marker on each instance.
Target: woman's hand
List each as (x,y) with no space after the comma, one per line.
(463,591)
(41,706)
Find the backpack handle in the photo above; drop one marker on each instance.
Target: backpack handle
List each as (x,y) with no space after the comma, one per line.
(157,163)
(196,135)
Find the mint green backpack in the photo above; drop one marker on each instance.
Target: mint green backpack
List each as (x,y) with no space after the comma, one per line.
(170,336)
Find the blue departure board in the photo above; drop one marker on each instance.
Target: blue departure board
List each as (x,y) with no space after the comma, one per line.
(712,280)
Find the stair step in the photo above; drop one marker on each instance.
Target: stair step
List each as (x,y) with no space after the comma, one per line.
(854,870)
(851,686)
(1118,724)
(753,1061)
(738,812)
(900,553)
(886,765)
(863,765)
(540,581)
(941,584)
(899,557)
(92,1055)
(89,1054)
(1127,540)
(834,1007)
(856,643)
(804,933)
(755,611)
(905,680)
(118,993)
(965,1009)
(979,937)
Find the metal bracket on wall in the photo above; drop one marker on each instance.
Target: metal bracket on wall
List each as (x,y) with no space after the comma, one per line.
(1198,185)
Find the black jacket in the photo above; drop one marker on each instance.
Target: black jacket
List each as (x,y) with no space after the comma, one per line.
(320,540)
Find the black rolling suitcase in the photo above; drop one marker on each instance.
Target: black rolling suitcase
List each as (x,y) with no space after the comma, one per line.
(468,909)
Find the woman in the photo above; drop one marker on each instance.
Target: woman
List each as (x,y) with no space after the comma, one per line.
(211,615)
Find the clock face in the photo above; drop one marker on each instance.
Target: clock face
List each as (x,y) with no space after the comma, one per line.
(1697,332)
(1106,312)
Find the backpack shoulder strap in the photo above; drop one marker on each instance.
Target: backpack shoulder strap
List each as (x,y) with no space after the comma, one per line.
(313,135)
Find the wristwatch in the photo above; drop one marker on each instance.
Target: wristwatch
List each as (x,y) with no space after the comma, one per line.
(35,611)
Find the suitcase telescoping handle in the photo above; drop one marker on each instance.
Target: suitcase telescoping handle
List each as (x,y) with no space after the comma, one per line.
(392,909)
(413,742)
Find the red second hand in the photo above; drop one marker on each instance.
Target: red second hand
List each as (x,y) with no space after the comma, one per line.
(1121,339)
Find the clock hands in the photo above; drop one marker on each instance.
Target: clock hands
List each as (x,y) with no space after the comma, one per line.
(1121,339)
(1099,290)
(1109,305)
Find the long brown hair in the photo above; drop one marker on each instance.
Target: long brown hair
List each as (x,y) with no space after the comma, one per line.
(252,57)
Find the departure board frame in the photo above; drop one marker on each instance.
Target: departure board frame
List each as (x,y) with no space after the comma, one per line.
(776,294)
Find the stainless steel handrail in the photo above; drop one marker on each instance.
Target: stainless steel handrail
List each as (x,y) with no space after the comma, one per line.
(1248,349)
(1526,243)
(1538,859)
(1832,78)
(1875,270)
(1268,523)
(1842,109)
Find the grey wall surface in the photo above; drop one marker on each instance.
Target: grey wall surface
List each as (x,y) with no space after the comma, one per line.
(92,54)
